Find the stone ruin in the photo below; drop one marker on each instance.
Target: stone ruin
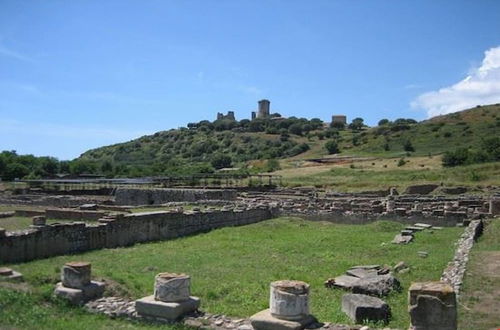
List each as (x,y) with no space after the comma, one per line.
(76,285)
(171,299)
(288,307)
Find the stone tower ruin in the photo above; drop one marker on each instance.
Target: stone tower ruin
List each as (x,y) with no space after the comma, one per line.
(263,109)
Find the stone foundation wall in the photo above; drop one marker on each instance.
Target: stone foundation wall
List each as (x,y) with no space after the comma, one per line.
(58,239)
(450,220)
(70,214)
(131,196)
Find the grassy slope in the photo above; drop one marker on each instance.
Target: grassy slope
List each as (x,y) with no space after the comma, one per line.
(231,268)
(439,134)
(374,177)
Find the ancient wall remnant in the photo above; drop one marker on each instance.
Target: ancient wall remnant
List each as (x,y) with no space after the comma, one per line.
(432,306)
(155,196)
(57,239)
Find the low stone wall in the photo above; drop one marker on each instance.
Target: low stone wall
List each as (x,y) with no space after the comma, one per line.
(28,213)
(131,196)
(70,214)
(454,272)
(58,239)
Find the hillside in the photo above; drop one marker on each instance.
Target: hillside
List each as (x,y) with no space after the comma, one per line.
(223,143)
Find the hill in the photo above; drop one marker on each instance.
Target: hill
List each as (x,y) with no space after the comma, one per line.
(202,146)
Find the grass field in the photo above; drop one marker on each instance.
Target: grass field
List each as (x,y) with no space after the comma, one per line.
(231,269)
(365,176)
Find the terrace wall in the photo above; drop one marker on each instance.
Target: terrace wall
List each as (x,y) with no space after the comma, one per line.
(154,196)
(76,237)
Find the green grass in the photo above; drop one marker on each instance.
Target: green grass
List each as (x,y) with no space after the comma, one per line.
(355,179)
(481,288)
(20,223)
(231,268)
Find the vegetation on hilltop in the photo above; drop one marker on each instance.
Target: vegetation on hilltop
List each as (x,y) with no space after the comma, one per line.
(205,147)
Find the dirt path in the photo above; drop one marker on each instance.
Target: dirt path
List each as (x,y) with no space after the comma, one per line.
(480,300)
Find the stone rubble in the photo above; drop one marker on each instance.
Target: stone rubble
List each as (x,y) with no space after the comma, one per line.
(117,307)
(454,272)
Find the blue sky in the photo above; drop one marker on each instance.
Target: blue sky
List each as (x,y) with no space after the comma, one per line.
(76,75)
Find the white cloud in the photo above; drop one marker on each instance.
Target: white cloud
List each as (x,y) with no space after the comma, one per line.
(480,87)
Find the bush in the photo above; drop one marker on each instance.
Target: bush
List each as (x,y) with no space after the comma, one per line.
(332,147)
(407,146)
(221,161)
(401,162)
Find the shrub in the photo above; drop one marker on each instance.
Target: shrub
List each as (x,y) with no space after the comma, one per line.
(401,162)
(407,146)
(332,147)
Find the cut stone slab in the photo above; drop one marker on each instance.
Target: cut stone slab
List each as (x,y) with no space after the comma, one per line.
(148,306)
(380,285)
(344,281)
(402,239)
(423,225)
(79,296)
(361,272)
(361,308)
(7,274)
(265,321)
(413,228)
(406,232)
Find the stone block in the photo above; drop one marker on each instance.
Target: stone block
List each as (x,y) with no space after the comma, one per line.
(361,308)
(170,287)
(148,306)
(76,275)
(265,321)
(7,274)
(402,239)
(91,291)
(39,220)
(432,306)
(289,300)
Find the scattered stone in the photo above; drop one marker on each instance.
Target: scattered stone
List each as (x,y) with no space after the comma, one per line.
(88,207)
(423,225)
(7,274)
(406,232)
(380,285)
(402,239)
(423,254)
(361,308)
(400,266)
(414,228)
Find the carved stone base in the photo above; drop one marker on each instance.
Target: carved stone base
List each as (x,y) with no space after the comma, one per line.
(148,306)
(265,321)
(91,291)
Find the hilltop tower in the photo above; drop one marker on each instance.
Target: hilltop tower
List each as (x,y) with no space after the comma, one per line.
(263,109)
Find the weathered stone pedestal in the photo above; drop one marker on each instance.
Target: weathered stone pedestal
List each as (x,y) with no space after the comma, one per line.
(432,306)
(76,285)
(289,308)
(7,274)
(494,207)
(171,298)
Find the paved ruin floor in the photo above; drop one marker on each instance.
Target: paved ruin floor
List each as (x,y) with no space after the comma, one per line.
(480,300)
(231,269)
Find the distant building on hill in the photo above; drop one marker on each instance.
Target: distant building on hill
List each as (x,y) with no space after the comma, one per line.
(340,119)
(263,111)
(229,116)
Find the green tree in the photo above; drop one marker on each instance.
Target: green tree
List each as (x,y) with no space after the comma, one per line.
(332,147)
(221,161)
